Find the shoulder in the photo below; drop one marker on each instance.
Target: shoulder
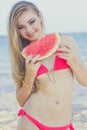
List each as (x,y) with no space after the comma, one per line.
(68,39)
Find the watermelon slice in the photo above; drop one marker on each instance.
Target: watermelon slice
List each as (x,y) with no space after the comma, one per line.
(45,46)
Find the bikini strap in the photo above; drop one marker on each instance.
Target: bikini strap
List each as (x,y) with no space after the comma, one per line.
(23,112)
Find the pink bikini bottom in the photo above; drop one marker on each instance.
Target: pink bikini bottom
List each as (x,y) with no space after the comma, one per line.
(42,126)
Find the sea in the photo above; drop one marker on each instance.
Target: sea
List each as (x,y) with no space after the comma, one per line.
(8,103)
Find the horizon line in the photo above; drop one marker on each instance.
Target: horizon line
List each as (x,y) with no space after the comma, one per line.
(55,32)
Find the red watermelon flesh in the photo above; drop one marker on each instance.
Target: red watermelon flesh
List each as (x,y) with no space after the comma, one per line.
(45,46)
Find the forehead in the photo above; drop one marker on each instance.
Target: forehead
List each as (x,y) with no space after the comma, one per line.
(26,16)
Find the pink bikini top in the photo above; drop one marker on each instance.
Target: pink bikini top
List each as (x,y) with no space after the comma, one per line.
(59,64)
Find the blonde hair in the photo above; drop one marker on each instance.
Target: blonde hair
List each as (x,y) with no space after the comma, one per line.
(16,42)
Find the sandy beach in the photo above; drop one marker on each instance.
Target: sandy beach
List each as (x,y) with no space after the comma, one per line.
(9,106)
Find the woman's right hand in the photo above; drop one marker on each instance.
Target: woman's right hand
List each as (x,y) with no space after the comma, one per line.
(31,66)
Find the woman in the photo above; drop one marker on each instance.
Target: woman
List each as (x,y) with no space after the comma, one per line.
(46,99)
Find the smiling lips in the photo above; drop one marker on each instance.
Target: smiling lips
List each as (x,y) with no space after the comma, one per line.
(31,34)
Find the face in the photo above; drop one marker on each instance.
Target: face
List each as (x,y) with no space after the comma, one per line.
(29,26)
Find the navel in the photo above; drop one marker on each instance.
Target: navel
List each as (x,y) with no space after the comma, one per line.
(57,102)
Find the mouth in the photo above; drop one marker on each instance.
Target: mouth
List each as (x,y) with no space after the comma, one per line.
(31,35)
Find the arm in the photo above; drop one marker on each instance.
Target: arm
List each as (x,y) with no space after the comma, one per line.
(24,92)
(80,71)
(71,54)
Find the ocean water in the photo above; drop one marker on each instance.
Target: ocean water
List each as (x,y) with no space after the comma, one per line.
(4,55)
(8,103)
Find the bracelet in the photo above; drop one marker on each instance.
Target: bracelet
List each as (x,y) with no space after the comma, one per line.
(25,84)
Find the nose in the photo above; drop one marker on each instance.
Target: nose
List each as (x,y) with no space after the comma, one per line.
(29,29)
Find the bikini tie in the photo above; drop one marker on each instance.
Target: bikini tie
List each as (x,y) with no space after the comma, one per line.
(21,112)
(71,126)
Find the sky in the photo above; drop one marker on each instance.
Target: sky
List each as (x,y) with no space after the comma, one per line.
(59,15)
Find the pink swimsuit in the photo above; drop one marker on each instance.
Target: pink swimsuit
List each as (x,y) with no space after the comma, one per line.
(41,126)
(59,64)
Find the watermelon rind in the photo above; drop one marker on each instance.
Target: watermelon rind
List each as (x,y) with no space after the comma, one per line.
(58,35)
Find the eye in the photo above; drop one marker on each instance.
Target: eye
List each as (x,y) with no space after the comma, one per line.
(32,21)
(20,27)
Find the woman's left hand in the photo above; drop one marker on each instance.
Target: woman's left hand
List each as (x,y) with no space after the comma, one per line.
(68,50)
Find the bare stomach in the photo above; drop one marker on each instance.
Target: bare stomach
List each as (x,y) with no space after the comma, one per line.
(52,104)
(50,111)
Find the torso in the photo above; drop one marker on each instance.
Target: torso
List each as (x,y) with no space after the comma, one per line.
(52,103)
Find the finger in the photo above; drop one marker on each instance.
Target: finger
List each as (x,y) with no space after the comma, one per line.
(63,50)
(65,45)
(63,56)
(34,60)
(29,58)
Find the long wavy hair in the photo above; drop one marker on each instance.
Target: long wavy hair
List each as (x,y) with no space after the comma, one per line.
(16,42)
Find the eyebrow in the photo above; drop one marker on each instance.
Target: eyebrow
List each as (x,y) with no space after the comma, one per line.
(27,21)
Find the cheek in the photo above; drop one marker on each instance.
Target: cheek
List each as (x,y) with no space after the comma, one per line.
(22,33)
(39,26)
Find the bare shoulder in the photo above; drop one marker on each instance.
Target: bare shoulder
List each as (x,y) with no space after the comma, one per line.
(68,39)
